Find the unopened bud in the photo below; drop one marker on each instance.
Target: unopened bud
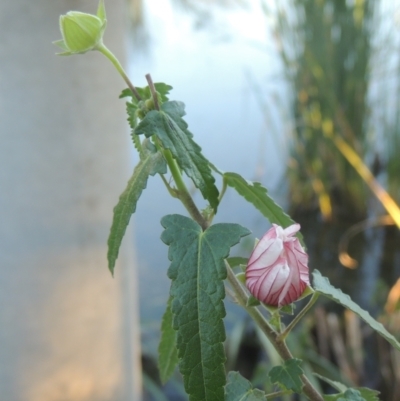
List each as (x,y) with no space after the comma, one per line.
(82,32)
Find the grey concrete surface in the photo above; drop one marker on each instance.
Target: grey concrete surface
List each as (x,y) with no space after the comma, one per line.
(68,330)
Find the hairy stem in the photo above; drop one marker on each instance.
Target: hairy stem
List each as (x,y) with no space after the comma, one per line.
(103,49)
(171,191)
(299,316)
(241,296)
(153,91)
(273,396)
(183,193)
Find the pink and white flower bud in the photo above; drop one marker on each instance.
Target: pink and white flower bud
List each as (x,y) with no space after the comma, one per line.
(277,271)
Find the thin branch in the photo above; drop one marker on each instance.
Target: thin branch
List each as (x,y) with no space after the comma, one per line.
(153,91)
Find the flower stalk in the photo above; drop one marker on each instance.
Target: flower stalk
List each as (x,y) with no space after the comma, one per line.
(298,317)
(104,50)
(280,345)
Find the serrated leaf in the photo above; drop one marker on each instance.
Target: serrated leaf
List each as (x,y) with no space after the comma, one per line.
(322,285)
(132,120)
(161,88)
(130,110)
(172,131)
(257,195)
(357,394)
(288,375)
(240,389)
(167,351)
(336,385)
(151,163)
(197,272)
(350,394)
(366,393)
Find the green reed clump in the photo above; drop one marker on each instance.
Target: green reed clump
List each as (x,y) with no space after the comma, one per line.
(326,49)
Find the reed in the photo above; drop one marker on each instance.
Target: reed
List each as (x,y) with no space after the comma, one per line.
(326,49)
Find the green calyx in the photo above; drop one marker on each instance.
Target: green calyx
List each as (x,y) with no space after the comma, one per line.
(82,32)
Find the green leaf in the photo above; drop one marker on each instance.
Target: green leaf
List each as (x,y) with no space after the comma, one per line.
(237,261)
(252,301)
(197,272)
(356,394)
(161,88)
(366,393)
(167,351)
(257,195)
(322,285)
(172,131)
(151,163)
(288,375)
(336,385)
(350,394)
(240,389)
(132,120)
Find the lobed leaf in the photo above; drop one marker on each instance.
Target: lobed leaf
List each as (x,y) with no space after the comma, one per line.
(288,375)
(240,389)
(151,163)
(167,351)
(197,272)
(172,131)
(257,195)
(322,285)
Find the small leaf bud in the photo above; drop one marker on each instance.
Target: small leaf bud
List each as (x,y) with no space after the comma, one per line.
(149,103)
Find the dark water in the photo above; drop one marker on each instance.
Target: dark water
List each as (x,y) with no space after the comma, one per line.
(210,72)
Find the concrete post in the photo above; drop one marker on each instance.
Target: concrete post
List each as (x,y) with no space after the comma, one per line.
(68,330)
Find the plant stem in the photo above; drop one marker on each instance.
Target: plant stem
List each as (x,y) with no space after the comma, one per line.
(103,49)
(299,316)
(308,389)
(183,193)
(272,396)
(171,191)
